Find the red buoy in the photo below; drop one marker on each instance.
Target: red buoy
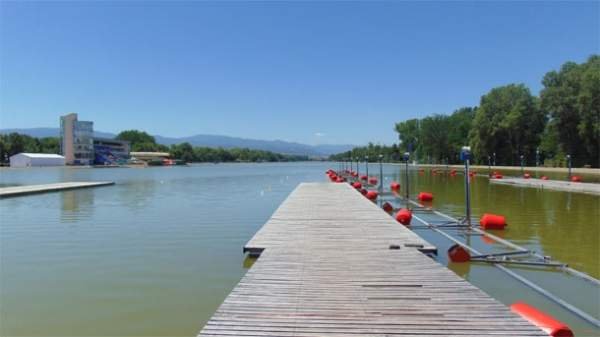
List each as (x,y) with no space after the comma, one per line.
(363,191)
(545,322)
(498,176)
(357,185)
(576,179)
(371,195)
(364,177)
(453,171)
(544,178)
(387,207)
(456,253)
(404,216)
(340,180)
(425,196)
(527,176)
(472,174)
(492,221)
(373,181)
(394,186)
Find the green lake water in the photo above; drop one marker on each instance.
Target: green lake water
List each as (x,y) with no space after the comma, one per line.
(155,254)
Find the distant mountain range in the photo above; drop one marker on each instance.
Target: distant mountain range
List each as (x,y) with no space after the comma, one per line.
(278,146)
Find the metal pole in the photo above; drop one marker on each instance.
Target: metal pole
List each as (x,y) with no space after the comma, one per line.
(494,158)
(489,166)
(380,173)
(537,161)
(357,167)
(367,168)
(466,156)
(406,158)
(569,163)
(522,163)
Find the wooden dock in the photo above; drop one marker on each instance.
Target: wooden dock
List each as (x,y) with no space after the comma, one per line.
(333,264)
(558,185)
(15,191)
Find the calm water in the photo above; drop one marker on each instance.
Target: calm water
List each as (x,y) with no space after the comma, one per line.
(157,253)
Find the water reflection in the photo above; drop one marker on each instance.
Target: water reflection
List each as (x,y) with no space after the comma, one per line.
(76,204)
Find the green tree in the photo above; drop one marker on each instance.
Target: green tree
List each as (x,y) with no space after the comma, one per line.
(139,140)
(434,140)
(571,96)
(508,122)
(408,134)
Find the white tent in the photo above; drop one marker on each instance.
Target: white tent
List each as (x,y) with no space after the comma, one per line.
(36,159)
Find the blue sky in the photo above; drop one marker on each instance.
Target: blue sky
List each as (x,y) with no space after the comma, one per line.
(313,72)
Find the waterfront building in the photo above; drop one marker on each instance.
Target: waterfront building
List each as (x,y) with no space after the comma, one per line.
(76,140)
(36,159)
(109,151)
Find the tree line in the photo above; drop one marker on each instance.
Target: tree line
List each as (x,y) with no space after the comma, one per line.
(511,122)
(13,143)
(141,141)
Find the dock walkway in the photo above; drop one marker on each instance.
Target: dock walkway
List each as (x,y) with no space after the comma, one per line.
(14,191)
(326,269)
(557,185)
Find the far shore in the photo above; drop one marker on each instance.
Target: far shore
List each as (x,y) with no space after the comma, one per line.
(580,170)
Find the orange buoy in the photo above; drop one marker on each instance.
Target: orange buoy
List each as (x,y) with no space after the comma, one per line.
(544,178)
(357,185)
(404,216)
(373,181)
(527,176)
(492,221)
(576,179)
(456,253)
(364,177)
(363,191)
(394,186)
(545,322)
(425,196)
(371,195)
(387,207)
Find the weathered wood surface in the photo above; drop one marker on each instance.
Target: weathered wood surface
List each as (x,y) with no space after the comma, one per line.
(327,270)
(14,191)
(590,188)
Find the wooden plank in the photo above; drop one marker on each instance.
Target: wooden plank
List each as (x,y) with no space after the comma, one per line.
(14,191)
(326,270)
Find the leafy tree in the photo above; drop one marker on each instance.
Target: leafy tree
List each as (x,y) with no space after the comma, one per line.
(508,122)
(139,140)
(571,96)
(408,133)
